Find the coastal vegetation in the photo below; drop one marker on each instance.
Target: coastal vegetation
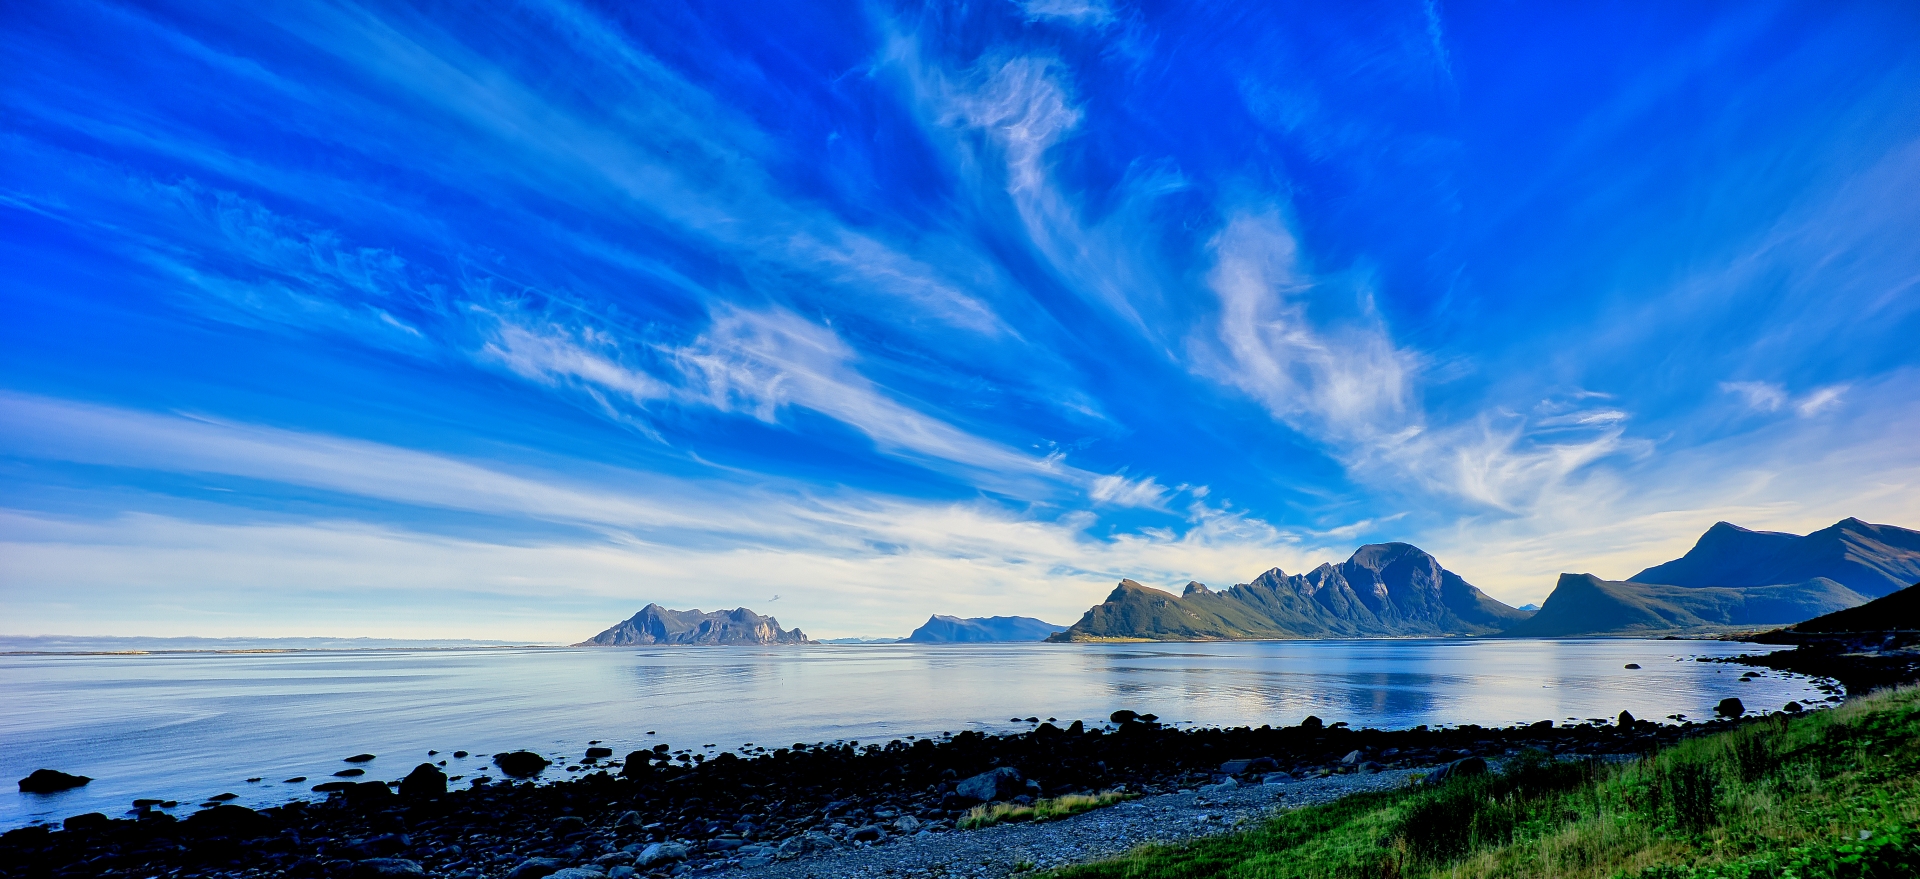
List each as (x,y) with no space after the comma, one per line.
(1826,795)
(989,814)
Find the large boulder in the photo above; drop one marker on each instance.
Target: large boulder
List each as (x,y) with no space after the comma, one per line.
(1000,783)
(47,781)
(1464,767)
(660,853)
(521,764)
(236,821)
(425,782)
(1250,766)
(1730,707)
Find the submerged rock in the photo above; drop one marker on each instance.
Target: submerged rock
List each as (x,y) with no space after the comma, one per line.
(47,781)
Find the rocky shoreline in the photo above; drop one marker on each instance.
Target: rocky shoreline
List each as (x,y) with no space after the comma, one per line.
(784,811)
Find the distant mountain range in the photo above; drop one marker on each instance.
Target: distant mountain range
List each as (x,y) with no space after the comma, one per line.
(1385,589)
(1732,577)
(1736,577)
(942,629)
(657,625)
(1873,560)
(1582,604)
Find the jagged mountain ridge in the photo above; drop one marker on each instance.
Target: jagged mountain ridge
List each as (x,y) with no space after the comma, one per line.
(943,629)
(658,625)
(1873,560)
(1387,589)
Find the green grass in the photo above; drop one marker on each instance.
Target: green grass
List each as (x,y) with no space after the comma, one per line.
(1777,799)
(1041,810)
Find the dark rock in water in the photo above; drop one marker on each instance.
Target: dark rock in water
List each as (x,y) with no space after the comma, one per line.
(425,782)
(521,764)
(377,868)
(1631,665)
(1250,766)
(221,798)
(331,786)
(638,764)
(350,773)
(47,781)
(89,821)
(1541,725)
(536,868)
(1123,716)
(1730,707)
(599,753)
(997,784)
(1465,767)
(1312,722)
(1626,720)
(360,758)
(1792,708)
(295,780)
(460,754)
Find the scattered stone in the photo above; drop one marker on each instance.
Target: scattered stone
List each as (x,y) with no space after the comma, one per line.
(1223,787)
(868,833)
(1276,778)
(1626,720)
(375,868)
(598,754)
(359,758)
(1730,707)
(295,780)
(536,868)
(47,781)
(1631,665)
(568,825)
(1792,708)
(576,873)
(1352,758)
(350,773)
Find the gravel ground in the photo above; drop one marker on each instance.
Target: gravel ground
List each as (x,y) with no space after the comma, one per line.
(999,851)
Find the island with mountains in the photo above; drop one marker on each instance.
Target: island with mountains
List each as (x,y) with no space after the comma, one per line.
(1732,578)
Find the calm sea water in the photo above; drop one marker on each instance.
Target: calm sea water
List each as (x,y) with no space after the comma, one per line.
(188,726)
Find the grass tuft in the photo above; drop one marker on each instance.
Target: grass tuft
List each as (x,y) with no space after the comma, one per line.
(1042,810)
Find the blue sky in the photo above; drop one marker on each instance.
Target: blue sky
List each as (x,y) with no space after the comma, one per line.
(334,319)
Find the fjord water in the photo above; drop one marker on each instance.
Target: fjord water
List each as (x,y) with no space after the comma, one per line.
(189,726)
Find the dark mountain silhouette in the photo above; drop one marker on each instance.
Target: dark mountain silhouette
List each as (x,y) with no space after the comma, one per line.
(658,625)
(941,629)
(1583,604)
(1897,612)
(1873,560)
(1387,589)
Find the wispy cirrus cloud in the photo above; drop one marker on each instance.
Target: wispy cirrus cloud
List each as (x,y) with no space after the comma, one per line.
(1773,397)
